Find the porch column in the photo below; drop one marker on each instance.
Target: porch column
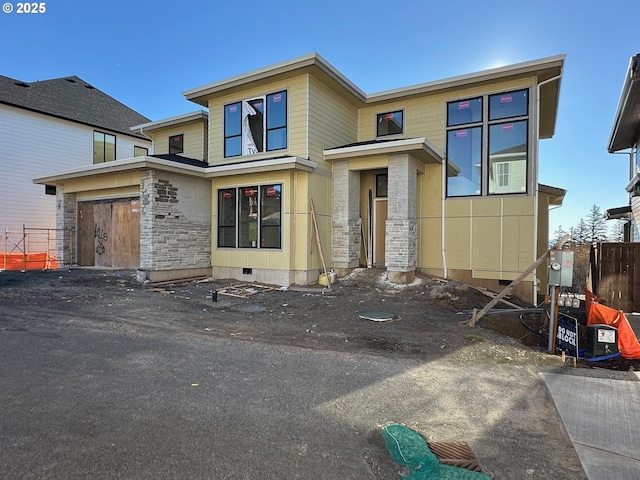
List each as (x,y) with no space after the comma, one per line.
(401,239)
(147,220)
(345,231)
(67,226)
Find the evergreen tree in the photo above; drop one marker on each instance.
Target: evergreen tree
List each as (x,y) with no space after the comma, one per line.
(579,233)
(558,234)
(596,225)
(617,233)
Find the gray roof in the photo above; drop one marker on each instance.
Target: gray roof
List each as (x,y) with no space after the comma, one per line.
(71,98)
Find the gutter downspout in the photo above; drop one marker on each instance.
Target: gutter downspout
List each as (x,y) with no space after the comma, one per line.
(444,197)
(537,163)
(153,146)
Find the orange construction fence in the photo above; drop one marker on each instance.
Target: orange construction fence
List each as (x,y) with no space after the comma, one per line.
(29,261)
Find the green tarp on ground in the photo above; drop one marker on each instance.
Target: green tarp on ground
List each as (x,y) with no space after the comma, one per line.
(408,449)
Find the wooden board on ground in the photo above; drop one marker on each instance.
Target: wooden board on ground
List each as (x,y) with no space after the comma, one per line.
(244,290)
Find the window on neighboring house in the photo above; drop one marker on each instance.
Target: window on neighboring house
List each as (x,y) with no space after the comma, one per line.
(256,125)
(390,123)
(250,217)
(176,144)
(488,145)
(104,147)
(140,151)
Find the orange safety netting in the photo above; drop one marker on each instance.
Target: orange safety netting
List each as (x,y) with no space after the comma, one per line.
(598,314)
(34,261)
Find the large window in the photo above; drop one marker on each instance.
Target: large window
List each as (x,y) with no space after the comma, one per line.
(488,145)
(104,147)
(256,125)
(250,217)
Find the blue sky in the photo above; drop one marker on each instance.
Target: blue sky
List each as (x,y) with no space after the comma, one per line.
(145,53)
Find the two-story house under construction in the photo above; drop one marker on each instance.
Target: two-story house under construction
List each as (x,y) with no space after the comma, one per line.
(439,178)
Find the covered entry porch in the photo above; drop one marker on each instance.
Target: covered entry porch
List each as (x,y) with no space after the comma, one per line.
(374,211)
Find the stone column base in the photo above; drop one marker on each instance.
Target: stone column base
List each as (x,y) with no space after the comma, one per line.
(401,277)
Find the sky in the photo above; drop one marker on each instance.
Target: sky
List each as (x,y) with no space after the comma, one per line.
(146,53)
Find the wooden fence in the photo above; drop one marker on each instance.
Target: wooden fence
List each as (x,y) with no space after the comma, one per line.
(615,275)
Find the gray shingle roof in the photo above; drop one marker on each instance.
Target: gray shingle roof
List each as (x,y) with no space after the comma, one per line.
(71,98)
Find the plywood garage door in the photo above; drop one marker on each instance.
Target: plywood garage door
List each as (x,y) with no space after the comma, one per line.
(125,227)
(109,233)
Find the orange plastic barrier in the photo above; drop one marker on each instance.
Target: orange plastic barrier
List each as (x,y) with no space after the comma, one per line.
(598,314)
(35,261)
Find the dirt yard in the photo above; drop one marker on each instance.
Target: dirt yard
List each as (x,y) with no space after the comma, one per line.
(425,326)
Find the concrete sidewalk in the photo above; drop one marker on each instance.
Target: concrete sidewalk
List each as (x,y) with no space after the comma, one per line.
(602,418)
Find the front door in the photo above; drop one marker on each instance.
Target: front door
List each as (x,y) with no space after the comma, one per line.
(379,229)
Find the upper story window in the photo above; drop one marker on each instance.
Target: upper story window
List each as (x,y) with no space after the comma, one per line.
(488,144)
(104,147)
(176,144)
(140,151)
(256,125)
(390,123)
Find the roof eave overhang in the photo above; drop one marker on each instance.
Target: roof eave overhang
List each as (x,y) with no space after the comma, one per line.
(201,95)
(556,194)
(626,123)
(619,213)
(261,166)
(420,148)
(120,166)
(172,121)
(141,163)
(531,68)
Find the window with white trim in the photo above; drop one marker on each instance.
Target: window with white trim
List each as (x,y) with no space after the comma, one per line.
(104,147)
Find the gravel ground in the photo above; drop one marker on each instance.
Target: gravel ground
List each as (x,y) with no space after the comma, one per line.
(485,379)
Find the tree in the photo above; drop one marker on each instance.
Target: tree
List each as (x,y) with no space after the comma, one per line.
(596,225)
(617,233)
(557,235)
(579,233)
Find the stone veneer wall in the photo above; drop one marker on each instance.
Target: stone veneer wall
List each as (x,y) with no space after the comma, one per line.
(175,221)
(345,231)
(401,242)
(67,225)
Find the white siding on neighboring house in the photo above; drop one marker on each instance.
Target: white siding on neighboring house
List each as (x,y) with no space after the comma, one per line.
(33,145)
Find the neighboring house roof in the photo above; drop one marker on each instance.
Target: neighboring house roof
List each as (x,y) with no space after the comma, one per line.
(71,98)
(618,213)
(627,120)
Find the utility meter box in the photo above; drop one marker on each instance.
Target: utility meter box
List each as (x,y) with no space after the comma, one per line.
(560,268)
(602,340)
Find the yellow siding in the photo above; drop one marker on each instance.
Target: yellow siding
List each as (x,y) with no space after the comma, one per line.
(299,252)
(333,121)
(132,191)
(424,116)
(194,139)
(102,182)
(296,121)
(493,237)
(369,163)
